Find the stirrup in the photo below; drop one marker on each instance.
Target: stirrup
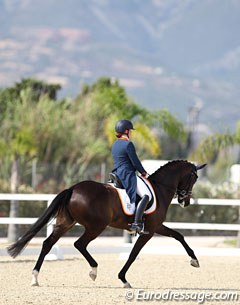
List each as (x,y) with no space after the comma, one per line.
(137,228)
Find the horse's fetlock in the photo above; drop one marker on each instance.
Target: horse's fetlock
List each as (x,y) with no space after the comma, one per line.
(121,277)
(76,245)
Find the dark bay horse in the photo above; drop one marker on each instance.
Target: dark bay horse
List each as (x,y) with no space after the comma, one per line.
(96,206)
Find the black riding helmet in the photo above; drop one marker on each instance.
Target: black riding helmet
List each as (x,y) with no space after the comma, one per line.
(123,125)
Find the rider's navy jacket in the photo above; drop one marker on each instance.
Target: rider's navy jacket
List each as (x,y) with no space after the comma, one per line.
(126,163)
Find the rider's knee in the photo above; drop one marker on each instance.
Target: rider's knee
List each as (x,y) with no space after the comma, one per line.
(146,197)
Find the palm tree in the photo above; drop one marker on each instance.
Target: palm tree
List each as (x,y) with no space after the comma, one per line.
(211,147)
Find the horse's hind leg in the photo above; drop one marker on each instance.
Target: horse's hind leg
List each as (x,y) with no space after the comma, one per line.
(81,245)
(62,226)
(165,231)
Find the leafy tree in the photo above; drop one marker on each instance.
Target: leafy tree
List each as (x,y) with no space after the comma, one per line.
(18,139)
(105,102)
(15,141)
(212,147)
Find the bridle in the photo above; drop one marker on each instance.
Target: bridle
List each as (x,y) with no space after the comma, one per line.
(184,192)
(187,192)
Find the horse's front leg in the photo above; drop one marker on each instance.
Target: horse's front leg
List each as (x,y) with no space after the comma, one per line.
(165,231)
(141,241)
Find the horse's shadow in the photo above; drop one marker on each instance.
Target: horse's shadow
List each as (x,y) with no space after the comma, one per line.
(146,289)
(33,261)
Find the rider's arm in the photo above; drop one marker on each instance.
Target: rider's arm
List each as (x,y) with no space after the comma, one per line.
(134,159)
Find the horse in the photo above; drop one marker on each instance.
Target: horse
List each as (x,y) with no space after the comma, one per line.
(97,205)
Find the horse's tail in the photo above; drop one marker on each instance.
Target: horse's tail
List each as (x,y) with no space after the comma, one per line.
(49,213)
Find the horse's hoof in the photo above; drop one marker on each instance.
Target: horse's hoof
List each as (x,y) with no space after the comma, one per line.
(127,285)
(93,273)
(34,281)
(194,263)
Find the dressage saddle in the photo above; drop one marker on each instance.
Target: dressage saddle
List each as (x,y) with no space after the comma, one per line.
(113,178)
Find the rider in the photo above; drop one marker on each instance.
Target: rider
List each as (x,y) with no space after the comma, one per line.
(126,163)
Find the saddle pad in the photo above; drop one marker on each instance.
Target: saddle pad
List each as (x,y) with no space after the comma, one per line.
(128,208)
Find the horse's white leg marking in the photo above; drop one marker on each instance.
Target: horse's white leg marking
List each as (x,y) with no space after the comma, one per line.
(34,281)
(194,263)
(93,273)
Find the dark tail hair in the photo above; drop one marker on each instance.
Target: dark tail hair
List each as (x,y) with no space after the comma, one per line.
(49,213)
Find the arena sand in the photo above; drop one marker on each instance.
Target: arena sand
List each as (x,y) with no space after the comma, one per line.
(67,282)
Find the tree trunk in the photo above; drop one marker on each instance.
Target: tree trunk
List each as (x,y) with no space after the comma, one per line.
(13,233)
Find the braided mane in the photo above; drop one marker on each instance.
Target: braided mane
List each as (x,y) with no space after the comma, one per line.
(171,164)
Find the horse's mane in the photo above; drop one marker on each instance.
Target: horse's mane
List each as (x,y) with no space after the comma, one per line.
(171,164)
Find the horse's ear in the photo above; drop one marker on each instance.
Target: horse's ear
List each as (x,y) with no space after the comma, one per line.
(200,166)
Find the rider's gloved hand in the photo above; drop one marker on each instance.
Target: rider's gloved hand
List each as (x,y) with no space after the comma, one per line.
(145,175)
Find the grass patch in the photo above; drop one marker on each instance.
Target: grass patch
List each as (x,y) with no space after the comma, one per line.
(231,242)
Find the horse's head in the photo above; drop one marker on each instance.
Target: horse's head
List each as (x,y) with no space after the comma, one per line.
(185,185)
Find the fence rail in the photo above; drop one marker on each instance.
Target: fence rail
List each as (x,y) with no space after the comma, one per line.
(178,225)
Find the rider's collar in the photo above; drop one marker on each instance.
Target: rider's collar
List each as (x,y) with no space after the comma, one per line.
(124,137)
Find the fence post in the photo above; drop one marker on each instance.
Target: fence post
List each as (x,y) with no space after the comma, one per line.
(56,252)
(49,225)
(12,227)
(127,237)
(103,172)
(14,204)
(238,235)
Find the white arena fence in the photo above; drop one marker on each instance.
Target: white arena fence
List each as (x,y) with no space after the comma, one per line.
(174,225)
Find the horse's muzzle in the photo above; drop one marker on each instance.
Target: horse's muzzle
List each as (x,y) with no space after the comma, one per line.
(184,201)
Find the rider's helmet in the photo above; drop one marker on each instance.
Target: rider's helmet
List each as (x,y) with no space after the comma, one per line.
(123,125)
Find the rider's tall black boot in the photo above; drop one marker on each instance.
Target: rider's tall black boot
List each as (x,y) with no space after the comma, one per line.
(138,225)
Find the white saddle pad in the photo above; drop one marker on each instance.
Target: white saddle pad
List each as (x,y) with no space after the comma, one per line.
(128,208)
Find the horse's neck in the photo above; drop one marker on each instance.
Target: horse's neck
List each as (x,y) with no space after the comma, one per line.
(166,179)
(165,184)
